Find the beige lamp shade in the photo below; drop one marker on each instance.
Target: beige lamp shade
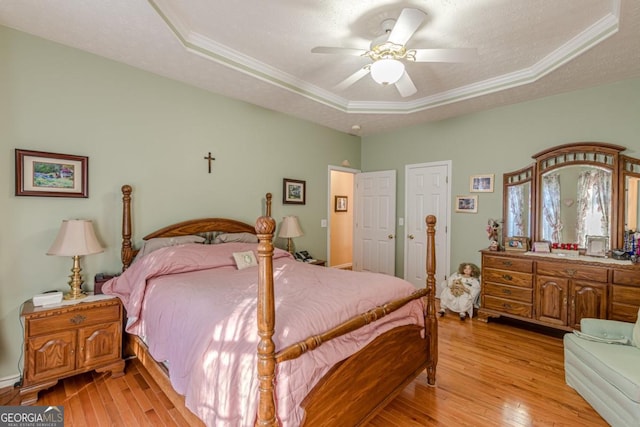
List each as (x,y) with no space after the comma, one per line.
(76,237)
(290,228)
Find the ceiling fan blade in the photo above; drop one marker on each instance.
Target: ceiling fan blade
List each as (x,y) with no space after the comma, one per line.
(407,24)
(405,86)
(446,55)
(339,50)
(352,78)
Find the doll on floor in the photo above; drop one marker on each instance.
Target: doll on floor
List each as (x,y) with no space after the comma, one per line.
(461,291)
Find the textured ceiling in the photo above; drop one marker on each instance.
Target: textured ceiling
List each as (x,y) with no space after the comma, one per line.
(260,51)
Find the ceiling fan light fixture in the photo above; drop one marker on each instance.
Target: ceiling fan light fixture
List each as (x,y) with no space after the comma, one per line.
(387,71)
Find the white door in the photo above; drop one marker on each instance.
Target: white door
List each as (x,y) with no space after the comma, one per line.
(374,247)
(428,192)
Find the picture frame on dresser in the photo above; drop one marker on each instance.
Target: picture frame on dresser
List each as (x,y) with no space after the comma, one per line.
(44,174)
(596,246)
(541,247)
(517,243)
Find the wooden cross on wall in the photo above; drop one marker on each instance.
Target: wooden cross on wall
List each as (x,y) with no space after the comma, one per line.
(209,158)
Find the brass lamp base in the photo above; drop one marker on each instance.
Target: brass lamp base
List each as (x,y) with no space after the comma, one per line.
(76,281)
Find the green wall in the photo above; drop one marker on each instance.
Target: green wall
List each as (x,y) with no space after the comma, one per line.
(503,140)
(152,133)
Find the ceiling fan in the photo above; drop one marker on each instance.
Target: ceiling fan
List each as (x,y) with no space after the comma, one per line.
(388,52)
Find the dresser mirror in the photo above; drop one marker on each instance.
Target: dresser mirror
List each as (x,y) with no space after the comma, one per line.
(571,192)
(518,191)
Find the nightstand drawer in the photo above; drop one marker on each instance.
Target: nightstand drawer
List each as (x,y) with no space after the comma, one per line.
(75,318)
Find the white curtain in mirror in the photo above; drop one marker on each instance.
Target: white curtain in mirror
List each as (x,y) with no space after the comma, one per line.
(594,204)
(515,223)
(551,222)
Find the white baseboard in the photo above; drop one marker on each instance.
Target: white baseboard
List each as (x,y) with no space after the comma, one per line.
(9,381)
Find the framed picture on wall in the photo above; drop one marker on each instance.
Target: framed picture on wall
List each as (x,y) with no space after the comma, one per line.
(341,203)
(294,191)
(51,174)
(481,183)
(467,204)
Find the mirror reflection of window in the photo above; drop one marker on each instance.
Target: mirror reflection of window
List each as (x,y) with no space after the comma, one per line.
(515,221)
(551,220)
(594,204)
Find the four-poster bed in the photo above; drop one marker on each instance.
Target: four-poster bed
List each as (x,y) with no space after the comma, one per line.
(390,334)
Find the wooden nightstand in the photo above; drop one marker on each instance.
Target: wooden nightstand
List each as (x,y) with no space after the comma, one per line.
(67,340)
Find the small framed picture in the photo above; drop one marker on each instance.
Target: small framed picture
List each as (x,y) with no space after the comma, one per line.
(467,204)
(51,174)
(294,192)
(517,243)
(597,246)
(481,183)
(341,204)
(542,247)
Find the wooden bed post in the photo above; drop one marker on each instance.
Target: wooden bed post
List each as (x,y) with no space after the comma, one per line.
(126,254)
(265,226)
(431,323)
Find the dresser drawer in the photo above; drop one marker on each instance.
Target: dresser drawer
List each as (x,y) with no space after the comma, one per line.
(504,263)
(506,277)
(75,318)
(626,277)
(572,271)
(625,294)
(509,292)
(507,306)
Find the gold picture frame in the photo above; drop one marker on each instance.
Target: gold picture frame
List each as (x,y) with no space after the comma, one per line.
(481,183)
(517,243)
(467,204)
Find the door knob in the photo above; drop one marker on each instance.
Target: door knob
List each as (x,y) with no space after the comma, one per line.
(390,236)
(410,236)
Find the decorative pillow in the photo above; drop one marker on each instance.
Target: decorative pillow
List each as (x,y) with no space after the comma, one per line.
(635,336)
(236,237)
(245,259)
(163,242)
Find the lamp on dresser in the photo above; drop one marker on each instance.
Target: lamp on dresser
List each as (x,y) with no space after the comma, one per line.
(75,239)
(289,229)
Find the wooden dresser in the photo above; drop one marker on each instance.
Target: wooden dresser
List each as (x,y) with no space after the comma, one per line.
(67,340)
(557,291)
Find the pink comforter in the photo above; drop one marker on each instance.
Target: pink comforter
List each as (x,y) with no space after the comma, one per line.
(195,310)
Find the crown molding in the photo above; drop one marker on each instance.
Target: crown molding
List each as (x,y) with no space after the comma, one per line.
(221,54)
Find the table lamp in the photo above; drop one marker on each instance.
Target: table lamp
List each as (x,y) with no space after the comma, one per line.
(290,228)
(75,239)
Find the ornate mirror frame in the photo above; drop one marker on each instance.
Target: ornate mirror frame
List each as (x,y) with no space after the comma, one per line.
(600,155)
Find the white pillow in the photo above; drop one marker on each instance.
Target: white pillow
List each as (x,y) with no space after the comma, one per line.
(635,336)
(236,237)
(245,259)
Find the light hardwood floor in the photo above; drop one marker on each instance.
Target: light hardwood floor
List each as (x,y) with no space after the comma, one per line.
(493,374)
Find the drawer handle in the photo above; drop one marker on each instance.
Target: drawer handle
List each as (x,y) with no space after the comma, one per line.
(507,306)
(570,271)
(507,277)
(507,263)
(506,291)
(76,320)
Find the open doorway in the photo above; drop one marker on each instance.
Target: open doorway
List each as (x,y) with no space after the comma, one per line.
(341,208)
